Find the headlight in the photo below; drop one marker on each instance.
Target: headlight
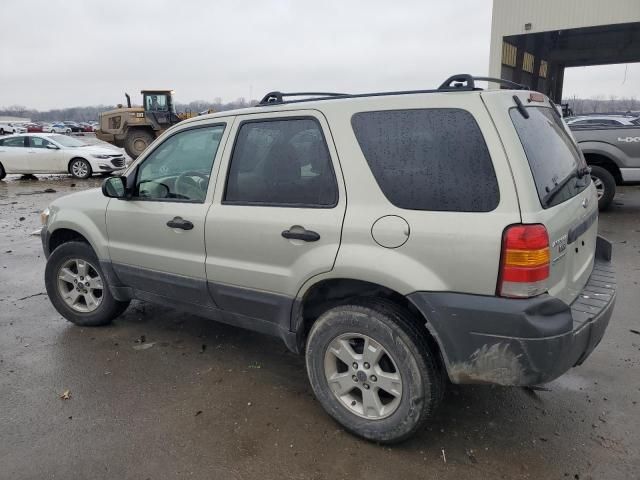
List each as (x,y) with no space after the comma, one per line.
(44,216)
(104,157)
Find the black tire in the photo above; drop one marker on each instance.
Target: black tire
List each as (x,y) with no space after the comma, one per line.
(2,172)
(606,184)
(80,168)
(137,141)
(108,308)
(423,380)
(1,131)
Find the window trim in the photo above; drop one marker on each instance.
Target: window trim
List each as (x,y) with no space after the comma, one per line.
(224,201)
(484,141)
(136,170)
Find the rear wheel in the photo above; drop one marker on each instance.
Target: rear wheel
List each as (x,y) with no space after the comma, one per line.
(605,186)
(77,287)
(80,168)
(2,172)
(137,141)
(1,131)
(373,371)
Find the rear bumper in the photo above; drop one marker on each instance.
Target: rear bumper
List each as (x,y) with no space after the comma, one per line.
(520,342)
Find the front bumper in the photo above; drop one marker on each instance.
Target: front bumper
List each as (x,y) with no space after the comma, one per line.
(520,342)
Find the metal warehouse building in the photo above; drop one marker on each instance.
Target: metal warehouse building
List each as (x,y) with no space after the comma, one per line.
(533,41)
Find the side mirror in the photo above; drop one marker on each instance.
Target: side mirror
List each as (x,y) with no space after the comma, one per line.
(51,146)
(114,187)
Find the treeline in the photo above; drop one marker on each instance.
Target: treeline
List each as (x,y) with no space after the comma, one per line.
(86,114)
(598,104)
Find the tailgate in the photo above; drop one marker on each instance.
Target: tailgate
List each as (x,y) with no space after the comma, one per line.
(573,229)
(553,186)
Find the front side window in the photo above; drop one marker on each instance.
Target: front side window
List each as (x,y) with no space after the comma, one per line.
(179,169)
(13,142)
(428,159)
(281,162)
(39,142)
(156,103)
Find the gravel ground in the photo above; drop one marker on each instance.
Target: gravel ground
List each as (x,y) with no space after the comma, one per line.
(204,400)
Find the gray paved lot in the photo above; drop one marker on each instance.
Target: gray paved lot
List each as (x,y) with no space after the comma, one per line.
(209,401)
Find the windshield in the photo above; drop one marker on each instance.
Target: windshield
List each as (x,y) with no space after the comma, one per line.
(557,165)
(67,141)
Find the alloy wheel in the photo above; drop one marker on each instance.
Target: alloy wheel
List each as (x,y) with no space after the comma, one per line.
(363,376)
(80,285)
(599,186)
(79,168)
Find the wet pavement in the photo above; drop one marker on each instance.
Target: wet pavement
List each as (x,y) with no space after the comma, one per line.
(165,395)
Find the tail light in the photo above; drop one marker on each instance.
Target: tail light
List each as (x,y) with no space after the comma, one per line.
(524,263)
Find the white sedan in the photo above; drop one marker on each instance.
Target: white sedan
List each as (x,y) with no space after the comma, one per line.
(51,153)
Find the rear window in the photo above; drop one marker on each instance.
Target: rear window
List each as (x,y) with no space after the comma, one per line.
(428,159)
(553,157)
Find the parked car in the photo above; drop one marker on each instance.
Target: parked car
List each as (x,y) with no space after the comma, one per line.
(613,153)
(86,127)
(34,128)
(11,127)
(603,120)
(74,126)
(52,153)
(468,248)
(56,128)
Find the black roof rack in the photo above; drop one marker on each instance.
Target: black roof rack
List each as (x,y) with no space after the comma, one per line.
(455,83)
(464,81)
(278,97)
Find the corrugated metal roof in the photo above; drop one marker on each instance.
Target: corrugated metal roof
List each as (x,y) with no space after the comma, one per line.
(510,16)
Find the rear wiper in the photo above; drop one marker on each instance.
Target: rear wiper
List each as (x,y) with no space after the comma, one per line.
(577,173)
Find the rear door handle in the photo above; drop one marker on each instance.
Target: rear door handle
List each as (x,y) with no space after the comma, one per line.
(296,232)
(179,222)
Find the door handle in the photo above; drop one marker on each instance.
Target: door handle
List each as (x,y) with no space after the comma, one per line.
(179,222)
(297,232)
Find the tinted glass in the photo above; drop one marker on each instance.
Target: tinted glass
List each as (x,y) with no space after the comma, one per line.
(13,142)
(38,142)
(431,159)
(179,169)
(552,155)
(283,162)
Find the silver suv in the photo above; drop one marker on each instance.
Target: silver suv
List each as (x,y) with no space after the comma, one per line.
(398,240)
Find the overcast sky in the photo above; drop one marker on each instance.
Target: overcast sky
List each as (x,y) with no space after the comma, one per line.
(56,53)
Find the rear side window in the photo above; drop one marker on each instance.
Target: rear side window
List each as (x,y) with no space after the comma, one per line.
(13,142)
(553,156)
(428,159)
(282,163)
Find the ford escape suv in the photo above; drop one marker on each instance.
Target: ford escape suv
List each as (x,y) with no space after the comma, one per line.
(398,240)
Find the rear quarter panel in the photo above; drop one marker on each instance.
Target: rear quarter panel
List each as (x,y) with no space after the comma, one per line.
(445,251)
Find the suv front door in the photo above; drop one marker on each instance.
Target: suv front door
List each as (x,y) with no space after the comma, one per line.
(277,215)
(156,238)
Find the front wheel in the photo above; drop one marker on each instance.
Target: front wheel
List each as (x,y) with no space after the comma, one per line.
(137,141)
(77,287)
(2,172)
(80,168)
(605,186)
(373,371)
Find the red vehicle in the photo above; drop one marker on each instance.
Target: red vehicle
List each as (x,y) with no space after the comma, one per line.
(34,128)
(86,127)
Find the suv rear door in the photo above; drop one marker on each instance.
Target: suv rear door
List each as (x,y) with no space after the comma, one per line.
(546,164)
(277,214)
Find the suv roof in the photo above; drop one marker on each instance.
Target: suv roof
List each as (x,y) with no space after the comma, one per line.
(463,82)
